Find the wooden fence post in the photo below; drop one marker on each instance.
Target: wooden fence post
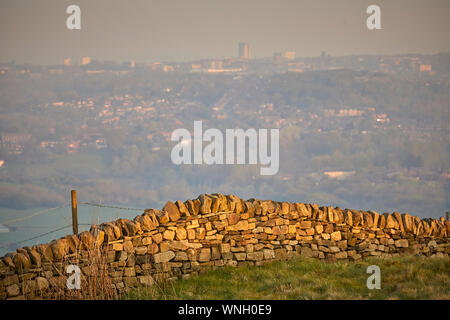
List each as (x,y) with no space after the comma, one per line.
(74,212)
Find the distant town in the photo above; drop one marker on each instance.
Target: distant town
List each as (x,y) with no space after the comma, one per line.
(348,126)
(134,108)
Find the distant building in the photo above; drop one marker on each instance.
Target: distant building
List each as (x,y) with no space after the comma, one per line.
(14,143)
(95,71)
(244,50)
(338,174)
(289,55)
(350,113)
(48,144)
(216,64)
(85,60)
(296,66)
(425,67)
(167,68)
(155,65)
(100,143)
(67,61)
(382,118)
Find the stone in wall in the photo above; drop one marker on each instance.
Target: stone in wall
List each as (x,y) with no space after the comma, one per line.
(187,238)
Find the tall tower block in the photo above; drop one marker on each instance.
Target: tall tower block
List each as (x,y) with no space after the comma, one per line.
(244,50)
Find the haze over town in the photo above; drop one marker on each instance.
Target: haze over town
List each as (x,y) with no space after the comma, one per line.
(178,30)
(363,115)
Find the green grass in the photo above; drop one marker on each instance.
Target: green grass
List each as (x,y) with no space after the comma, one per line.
(405,277)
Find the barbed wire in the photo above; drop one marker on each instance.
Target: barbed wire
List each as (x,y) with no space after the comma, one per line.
(35,237)
(63,206)
(7,222)
(43,234)
(109,206)
(32,215)
(14,228)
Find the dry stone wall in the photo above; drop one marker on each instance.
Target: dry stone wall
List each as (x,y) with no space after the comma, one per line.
(187,238)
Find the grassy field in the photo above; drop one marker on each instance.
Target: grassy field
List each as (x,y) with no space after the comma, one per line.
(405,277)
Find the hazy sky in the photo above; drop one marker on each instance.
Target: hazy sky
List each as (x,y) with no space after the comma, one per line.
(167,30)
